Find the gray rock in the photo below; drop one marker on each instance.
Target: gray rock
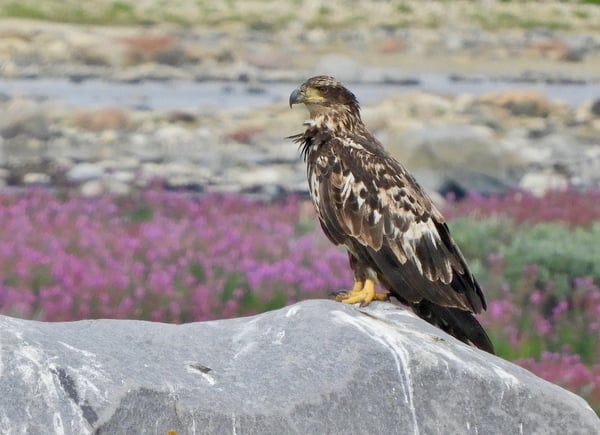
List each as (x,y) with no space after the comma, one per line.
(84,172)
(125,177)
(106,185)
(469,156)
(143,148)
(595,107)
(123,164)
(37,179)
(4,174)
(266,175)
(92,188)
(24,117)
(314,367)
(540,182)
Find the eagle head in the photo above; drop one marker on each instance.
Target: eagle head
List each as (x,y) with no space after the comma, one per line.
(326,97)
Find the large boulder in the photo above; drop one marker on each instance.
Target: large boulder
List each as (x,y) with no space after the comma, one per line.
(314,367)
(470,156)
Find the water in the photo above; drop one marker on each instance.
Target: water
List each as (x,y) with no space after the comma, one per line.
(172,95)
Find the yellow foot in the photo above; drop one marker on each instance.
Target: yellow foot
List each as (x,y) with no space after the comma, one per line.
(362,292)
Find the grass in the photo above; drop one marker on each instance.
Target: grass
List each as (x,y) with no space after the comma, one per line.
(508,20)
(265,15)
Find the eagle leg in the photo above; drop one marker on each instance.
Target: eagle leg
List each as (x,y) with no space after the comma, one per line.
(363,292)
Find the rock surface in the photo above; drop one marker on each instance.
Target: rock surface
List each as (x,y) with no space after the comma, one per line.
(314,367)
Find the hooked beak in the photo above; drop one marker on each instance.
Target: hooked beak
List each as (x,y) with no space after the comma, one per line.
(296,97)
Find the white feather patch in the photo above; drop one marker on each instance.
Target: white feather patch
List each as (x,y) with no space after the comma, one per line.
(347,187)
(385,196)
(350,143)
(416,231)
(376,216)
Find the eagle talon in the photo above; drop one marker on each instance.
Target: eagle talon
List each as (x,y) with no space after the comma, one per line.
(363,293)
(338,295)
(341,295)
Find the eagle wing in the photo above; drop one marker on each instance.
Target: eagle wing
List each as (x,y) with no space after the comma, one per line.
(369,202)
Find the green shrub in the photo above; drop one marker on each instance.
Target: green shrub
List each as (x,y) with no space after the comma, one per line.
(562,254)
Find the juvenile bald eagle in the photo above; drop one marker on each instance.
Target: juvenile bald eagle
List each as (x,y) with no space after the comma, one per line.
(394,234)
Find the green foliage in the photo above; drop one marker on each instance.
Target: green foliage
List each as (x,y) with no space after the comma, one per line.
(533,279)
(341,15)
(196,269)
(120,11)
(41,277)
(561,254)
(581,13)
(140,213)
(501,20)
(478,238)
(325,11)
(404,8)
(278,300)
(533,346)
(232,283)
(19,10)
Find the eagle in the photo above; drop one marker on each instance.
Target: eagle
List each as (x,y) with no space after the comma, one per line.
(368,202)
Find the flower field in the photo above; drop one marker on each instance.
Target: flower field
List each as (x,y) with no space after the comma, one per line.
(171,257)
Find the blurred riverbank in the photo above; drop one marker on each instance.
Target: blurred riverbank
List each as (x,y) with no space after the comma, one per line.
(482,96)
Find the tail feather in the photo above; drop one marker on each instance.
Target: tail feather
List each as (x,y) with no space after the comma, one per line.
(459,323)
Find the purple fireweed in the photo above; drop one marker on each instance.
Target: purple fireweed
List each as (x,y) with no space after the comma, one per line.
(573,208)
(568,371)
(159,255)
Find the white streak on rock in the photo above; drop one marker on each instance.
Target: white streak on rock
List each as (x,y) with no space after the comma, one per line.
(508,379)
(81,351)
(279,337)
(475,430)
(292,311)
(88,375)
(208,378)
(239,340)
(390,339)
(59,428)
(483,367)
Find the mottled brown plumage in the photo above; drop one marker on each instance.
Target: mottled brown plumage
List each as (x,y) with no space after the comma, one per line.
(368,202)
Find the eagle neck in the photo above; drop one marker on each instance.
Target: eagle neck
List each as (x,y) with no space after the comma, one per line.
(339,122)
(325,125)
